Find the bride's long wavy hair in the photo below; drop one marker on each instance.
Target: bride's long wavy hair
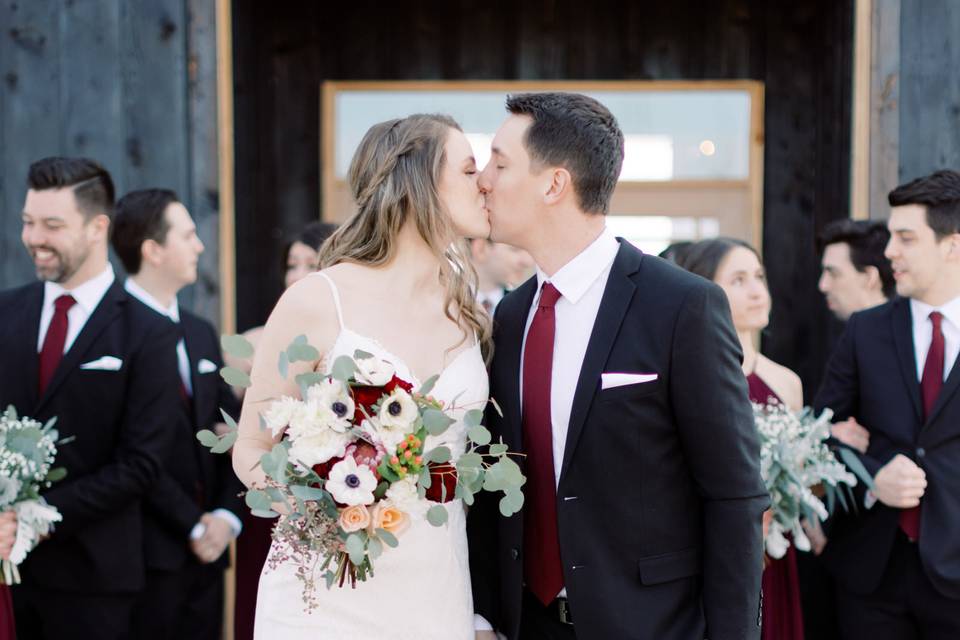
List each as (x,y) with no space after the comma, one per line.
(394,177)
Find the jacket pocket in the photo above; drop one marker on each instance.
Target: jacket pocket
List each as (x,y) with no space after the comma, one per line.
(669,566)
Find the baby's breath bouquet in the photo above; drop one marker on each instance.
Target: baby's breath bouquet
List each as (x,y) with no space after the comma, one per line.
(794,459)
(27,451)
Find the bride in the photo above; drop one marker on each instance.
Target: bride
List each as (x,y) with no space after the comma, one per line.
(390,285)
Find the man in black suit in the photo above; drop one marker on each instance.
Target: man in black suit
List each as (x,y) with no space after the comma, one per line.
(897,558)
(78,348)
(619,378)
(193,512)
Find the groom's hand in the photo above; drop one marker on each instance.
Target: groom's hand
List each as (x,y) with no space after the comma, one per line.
(8,533)
(216,536)
(486,635)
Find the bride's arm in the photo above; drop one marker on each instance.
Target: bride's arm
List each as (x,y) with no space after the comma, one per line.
(306,308)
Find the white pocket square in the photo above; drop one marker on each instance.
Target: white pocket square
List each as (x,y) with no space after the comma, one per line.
(206,366)
(106,363)
(611,380)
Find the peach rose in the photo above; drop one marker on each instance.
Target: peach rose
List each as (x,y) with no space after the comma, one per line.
(354,518)
(388,517)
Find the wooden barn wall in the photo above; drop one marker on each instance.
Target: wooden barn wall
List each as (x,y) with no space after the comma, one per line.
(930,87)
(800,50)
(130,84)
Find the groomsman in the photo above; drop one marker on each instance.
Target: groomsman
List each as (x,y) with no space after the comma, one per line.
(77,347)
(855,274)
(897,558)
(193,512)
(500,267)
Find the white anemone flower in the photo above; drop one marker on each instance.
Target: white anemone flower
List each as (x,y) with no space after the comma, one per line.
(398,411)
(334,396)
(351,484)
(373,371)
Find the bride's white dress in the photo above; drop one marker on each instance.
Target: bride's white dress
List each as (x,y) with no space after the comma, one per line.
(421,589)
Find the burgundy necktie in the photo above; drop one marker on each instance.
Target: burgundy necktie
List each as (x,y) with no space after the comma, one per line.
(930,385)
(542,569)
(52,351)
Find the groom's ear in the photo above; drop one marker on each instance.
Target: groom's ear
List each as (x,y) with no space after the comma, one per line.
(560,185)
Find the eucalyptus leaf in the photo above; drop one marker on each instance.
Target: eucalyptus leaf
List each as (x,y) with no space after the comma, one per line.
(360,354)
(234,377)
(237,346)
(228,419)
(258,500)
(381,490)
(498,449)
(207,438)
(307,493)
(264,513)
(57,474)
(308,379)
(330,578)
(428,385)
(425,479)
(437,515)
(302,353)
(436,421)
(438,455)
(511,503)
(299,340)
(496,407)
(343,368)
(355,548)
(470,461)
(375,548)
(274,463)
(283,364)
(473,418)
(226,441)
(479,434)
(388,538)
(853,463)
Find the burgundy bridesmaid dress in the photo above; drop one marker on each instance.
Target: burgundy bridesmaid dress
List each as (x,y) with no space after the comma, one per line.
(782,615)
(8,630)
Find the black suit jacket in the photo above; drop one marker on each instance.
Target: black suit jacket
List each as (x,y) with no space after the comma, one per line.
(872,376)
(193,480)
(119,421)
(660,497)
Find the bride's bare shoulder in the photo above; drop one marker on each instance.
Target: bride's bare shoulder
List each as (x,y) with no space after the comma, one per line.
(306,306)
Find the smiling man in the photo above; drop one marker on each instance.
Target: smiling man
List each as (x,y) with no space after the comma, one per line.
(897,559)
(77,347)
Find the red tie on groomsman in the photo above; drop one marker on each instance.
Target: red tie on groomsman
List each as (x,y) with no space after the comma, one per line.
(52,351)
(542,568)
(930,385)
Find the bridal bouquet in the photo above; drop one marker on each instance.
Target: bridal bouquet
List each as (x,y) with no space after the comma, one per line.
(27,451)
(794,459)
(355,463)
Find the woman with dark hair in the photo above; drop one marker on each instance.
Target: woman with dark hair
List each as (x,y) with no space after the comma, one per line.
(300,258)
(736,267)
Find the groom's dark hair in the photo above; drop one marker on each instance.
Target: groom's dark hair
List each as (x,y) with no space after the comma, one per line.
(577,133)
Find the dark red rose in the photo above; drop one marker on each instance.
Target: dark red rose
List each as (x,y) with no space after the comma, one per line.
(323,469)
(365,396)
(442,475)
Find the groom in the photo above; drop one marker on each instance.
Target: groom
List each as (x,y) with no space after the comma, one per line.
(619,378)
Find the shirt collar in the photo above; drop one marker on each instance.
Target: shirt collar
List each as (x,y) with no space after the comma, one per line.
(920,311)
(144,296)
(574,279)
(87,295)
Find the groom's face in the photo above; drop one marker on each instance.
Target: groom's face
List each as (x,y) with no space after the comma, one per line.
(514,192)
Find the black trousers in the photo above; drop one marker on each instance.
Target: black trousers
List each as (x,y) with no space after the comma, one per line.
(904,607)
(42,614)
(818,598)
(181,605)
(542,623)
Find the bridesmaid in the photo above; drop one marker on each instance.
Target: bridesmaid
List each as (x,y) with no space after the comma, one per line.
(8,630)
(736,267)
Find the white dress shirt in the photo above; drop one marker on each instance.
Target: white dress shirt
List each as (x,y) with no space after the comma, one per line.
(88,295)
(183,364)
(581,283)
(172,312)
(923,333)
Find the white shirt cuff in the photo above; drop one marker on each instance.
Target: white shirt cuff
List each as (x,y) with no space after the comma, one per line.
(480,623)
(198,530)
(235,525)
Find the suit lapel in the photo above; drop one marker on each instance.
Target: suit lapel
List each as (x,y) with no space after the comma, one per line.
(902,326)
(27,332)
(613,307)
(513,321)
(105,312)
(191,340)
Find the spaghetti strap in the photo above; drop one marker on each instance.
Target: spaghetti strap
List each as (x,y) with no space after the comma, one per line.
(336,296)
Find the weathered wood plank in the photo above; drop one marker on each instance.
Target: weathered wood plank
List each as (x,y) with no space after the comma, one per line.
(29,117)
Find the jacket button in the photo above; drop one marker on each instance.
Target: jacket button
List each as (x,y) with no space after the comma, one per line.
(514,554)
(921,452)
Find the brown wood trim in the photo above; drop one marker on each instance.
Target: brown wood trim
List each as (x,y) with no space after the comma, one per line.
(757,141)
(860,111)
(228,264)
